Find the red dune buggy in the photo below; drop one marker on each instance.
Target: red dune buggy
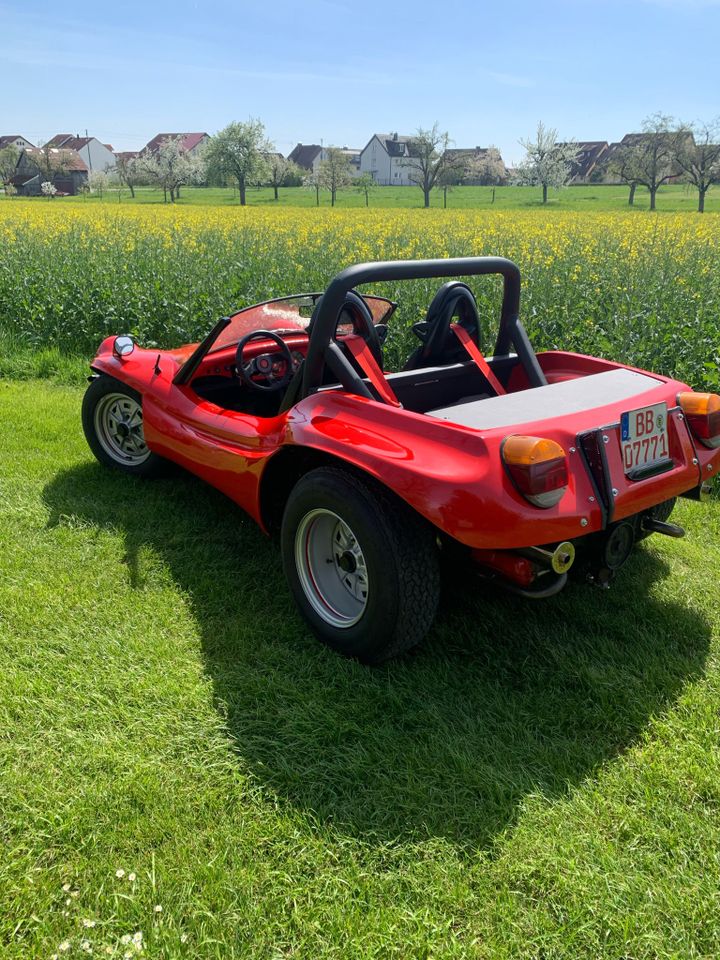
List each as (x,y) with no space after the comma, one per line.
(516,462)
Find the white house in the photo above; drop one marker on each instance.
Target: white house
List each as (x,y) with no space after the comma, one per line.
(387,158)
(95,155)
(14,140)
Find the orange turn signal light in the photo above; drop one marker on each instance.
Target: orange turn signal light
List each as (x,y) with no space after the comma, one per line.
(538,467)
(702,411)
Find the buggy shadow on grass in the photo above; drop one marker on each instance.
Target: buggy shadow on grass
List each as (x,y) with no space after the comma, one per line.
(506,698)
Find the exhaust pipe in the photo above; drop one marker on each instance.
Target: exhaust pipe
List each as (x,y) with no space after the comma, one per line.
(558,560)
(519,569)
(537,594)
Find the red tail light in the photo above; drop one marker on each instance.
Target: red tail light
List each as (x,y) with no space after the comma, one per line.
(702,411)
(537,467)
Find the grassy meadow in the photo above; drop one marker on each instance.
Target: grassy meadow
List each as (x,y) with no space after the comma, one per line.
(672,198)
(182,762)
(185,772)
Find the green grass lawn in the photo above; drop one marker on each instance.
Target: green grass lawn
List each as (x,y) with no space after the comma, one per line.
(537,780)
(675,198)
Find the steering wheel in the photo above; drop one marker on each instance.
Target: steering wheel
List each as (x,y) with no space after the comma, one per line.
(264,364)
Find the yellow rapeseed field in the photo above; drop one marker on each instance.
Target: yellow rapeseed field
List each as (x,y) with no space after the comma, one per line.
(638,287)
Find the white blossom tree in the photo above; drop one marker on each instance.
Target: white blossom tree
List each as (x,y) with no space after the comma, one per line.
(98,181)
(485,168)
(171,167)
(334,172)
(547,163)
(239,153)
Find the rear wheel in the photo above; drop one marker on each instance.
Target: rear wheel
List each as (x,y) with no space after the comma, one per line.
(112,420)
(362,566)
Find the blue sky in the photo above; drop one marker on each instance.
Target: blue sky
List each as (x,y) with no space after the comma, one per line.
(339,71)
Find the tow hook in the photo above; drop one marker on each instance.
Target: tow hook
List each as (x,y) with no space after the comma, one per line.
(651,525)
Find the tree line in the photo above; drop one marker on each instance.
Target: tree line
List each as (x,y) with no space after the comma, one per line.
(665,150)
(242,156)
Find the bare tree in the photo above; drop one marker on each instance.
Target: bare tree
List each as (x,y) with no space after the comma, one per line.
(312,182)
(239,152)
(50,161)
(279,171)
(429,161)
(547,163)
(449,178)
(699,157)
(334,172)
(365,184)
(621,165)
(650,158)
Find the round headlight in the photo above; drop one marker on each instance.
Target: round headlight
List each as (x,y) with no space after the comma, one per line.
(123,346)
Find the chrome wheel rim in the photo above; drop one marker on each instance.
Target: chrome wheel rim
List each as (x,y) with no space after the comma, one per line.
(119,428)
(331,568)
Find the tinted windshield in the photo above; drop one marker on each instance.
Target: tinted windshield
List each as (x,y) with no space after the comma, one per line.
(286,315)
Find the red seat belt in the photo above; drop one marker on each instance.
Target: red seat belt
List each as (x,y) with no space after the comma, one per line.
(369,366)
(471,347)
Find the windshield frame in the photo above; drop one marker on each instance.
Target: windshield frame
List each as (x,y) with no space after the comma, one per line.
(206,345)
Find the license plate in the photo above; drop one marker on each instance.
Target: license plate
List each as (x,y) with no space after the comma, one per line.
(644,437)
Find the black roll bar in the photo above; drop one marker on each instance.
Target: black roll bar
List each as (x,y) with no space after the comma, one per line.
(511,331)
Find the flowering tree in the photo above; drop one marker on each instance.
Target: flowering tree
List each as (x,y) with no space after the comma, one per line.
(239,152)
(280,172)
(334,172)
(486,168)
(128,171)
(98,181)
(547,163)
(48,189)
(171,167)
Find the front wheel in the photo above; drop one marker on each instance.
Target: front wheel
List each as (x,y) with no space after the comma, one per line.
(362,566)
(112,420)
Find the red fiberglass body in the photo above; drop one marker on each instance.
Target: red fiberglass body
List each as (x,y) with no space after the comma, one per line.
(498,455)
